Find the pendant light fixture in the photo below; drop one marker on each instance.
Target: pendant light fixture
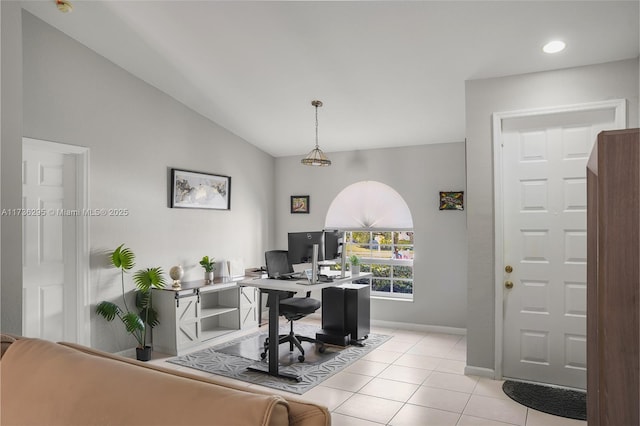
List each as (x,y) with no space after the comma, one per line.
(64,6)
(316,157)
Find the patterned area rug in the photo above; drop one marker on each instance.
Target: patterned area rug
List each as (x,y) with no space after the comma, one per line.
(232,359)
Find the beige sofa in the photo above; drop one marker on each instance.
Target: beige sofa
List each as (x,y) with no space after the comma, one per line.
(46,383)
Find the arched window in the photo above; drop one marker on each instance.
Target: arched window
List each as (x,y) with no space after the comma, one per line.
(379,229)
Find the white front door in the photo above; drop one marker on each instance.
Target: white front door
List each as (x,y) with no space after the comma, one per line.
(544,161)
(53,297)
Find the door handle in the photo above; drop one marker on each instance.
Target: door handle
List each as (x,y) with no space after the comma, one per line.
(508,269)
(508,284)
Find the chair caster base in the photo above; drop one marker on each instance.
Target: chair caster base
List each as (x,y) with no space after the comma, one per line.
(275,374)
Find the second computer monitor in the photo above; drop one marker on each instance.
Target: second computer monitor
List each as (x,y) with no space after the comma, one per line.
(301,246)
(332,240)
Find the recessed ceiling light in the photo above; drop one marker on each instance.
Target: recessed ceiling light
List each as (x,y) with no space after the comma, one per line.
(554,46)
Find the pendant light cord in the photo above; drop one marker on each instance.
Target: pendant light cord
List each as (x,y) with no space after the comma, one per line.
(317,127)
(316,157)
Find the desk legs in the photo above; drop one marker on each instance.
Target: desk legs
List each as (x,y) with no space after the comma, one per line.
(260,323)
(274,313)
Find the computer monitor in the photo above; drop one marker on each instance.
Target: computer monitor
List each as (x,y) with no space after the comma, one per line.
(332,244)
(277,262)
(301,246)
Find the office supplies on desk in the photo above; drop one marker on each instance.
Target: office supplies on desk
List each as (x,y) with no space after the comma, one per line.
(321,278)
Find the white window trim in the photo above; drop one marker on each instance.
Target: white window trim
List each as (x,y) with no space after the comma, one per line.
(389,295)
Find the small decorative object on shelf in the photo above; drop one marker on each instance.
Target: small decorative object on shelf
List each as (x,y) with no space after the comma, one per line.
(176,274)
(355,264)
(209,266)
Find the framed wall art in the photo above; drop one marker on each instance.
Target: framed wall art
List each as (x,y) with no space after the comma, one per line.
(197,190)
(299,204)
(451,200)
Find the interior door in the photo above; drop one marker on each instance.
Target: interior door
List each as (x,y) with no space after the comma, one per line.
(49,238)
(544,219)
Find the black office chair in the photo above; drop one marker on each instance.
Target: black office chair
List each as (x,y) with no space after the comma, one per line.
(292,308)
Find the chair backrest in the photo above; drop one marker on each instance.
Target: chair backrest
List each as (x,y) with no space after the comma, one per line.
(277,262)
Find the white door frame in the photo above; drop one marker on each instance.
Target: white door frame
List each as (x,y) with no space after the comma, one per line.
(619,107)
(83,315)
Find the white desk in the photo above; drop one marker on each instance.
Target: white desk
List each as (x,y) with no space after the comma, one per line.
(273,288)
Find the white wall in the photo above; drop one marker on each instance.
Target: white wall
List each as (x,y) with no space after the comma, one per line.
(417,174)
(136,134)
(484,97)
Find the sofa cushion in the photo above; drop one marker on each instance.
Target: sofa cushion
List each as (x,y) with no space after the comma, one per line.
(47,383)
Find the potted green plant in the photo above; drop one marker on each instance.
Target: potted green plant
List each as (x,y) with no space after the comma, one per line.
(134,322)
(209,266)
(355,264)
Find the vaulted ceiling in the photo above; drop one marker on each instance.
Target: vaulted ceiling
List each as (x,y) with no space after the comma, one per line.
(390,73)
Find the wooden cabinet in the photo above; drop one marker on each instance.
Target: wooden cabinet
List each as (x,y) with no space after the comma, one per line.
(199,313)
(613,280)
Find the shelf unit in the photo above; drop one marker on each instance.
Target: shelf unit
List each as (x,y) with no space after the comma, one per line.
(198,313)
(219,310)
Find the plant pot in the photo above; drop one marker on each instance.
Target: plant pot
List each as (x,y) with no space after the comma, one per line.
(208,277)
(355,269)
(143,354)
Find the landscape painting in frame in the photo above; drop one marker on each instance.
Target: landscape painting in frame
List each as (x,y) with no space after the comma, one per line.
(451,200)
(196,190)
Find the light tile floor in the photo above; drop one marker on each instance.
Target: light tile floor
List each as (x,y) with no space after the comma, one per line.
(417,379)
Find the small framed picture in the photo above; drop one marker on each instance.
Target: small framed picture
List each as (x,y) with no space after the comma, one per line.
(299,204)
(451,200)
(196,190)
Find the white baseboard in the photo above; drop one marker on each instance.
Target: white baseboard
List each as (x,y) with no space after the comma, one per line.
(470,370)
(409,326)
(419,327)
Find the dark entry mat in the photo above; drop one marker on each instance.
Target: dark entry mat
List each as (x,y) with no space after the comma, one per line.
(550,400)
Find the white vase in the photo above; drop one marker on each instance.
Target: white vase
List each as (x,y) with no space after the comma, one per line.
(208,277)
(355,269)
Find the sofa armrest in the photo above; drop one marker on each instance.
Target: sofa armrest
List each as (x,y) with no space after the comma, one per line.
(5,341)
